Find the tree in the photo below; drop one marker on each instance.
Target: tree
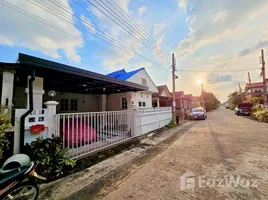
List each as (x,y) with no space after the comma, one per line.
(211,102)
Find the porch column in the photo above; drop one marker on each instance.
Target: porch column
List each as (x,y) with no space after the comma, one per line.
(130,100)
(7,89)
(37,93)
(51,112)
(158,103)
(103,102)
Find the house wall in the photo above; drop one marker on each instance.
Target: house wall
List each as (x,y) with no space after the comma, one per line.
(257,89)
(165,94)
(137,78)
(86,102)
(114,101)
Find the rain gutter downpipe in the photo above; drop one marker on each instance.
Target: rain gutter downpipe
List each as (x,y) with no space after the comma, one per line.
(22,119)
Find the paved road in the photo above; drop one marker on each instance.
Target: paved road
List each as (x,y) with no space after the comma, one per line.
(224,157)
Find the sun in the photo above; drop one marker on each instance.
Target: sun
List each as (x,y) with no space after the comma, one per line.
(199,81)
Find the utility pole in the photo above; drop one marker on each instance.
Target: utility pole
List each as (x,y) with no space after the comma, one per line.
(264,79)
(241,95)
(202,95)
(173,88)
(249,80)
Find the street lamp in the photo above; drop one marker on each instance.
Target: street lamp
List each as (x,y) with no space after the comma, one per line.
(201,82)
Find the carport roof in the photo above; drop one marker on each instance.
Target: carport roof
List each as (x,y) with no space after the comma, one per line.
(59,77)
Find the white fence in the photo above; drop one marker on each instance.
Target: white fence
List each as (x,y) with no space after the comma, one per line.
(150,119)
(85,133)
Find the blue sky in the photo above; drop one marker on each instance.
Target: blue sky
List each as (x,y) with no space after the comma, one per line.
(215,37)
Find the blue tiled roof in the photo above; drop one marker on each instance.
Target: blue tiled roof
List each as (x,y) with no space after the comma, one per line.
(123,75)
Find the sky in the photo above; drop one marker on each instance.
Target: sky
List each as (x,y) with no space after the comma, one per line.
(212,40)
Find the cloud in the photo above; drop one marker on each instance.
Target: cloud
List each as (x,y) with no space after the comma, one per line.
(141,10)
(214,78)
(209,22)
(23,31)
(158,27)
(261,43)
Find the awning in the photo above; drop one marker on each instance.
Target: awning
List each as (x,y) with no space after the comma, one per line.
(65,78)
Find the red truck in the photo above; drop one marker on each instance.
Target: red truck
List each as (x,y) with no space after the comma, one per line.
(244,109)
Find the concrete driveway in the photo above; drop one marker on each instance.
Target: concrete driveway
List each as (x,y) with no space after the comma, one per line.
(223,157)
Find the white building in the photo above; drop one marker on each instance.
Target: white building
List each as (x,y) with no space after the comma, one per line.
(90,111)
(140,99)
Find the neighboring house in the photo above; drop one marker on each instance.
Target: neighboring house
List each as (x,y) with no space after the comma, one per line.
(139,99)
(184,104)
(257,88)
(83,111)
(161,98)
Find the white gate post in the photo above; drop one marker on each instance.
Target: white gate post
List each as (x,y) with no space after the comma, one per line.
(51,109)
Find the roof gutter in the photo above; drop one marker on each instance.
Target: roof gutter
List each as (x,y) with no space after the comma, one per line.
(22,119)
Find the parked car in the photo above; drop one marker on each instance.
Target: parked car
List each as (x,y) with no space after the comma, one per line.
(244,108)
(237,110)
(198,113)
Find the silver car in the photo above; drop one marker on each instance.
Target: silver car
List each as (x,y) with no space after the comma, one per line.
(198,113)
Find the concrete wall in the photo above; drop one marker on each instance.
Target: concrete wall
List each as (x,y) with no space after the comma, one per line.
(86,102)
(148,120)
(114,101)
(143,96)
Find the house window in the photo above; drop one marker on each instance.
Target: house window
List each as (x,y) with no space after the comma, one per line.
(74,104)
(143,81)
(124,103)
(64,104)
(142,104)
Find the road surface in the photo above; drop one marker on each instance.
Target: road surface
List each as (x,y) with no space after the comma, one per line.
(223,157)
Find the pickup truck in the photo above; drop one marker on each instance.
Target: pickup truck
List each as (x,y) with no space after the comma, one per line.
(244,109)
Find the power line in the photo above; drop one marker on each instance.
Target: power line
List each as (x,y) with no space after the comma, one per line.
(137,25)
(121,46)
(118,18)
(113,39)
(239,70)
(132,21)
(15,8)
(131,27)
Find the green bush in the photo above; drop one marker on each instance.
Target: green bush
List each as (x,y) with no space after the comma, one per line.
(172,124)
(256,109)
(50,155)
(4,125)
(261,116)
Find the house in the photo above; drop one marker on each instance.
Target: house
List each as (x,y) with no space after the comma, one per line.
(184,104)
(160,99)
(90,111)
(257,89)
(138,99)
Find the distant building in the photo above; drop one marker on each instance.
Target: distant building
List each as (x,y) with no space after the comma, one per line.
(161,98)
(257,89)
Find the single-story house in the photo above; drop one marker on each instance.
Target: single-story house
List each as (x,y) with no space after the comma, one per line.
(139,99)
(160,99)
(75,104)
(184,104)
